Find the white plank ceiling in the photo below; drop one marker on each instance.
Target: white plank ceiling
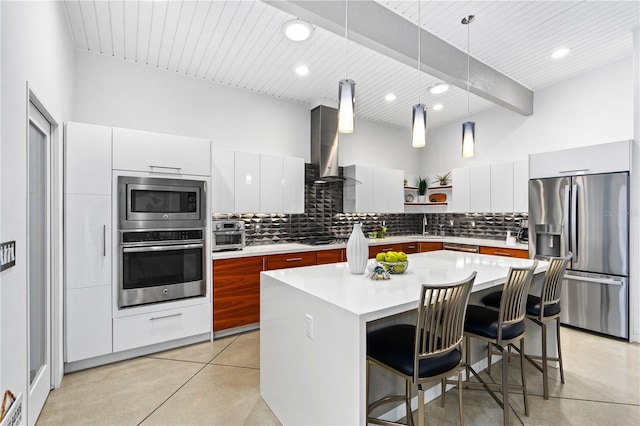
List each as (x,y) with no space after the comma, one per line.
(240,44)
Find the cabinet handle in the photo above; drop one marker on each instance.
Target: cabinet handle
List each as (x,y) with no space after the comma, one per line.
(294,259)
(387,249)
(165,316)
(104,240)
(499,253)
(573,171)
(411,247)
(177,169)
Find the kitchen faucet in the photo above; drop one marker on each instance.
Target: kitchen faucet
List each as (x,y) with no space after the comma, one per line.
(424,225)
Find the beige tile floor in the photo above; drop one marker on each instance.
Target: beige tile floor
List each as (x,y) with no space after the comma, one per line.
(217,383)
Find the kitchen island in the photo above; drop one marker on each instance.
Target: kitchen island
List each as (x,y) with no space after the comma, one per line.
(313,326)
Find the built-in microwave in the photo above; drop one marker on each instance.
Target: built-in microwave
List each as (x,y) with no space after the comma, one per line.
(155,203)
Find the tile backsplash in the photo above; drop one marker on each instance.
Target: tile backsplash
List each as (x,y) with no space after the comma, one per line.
(323,217)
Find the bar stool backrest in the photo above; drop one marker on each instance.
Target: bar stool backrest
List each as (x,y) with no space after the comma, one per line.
(553,278)
(513,304)
(441,313)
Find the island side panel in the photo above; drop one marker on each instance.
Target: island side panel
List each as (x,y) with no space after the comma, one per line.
(307,380)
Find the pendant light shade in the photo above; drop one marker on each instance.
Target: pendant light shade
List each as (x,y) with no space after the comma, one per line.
(419,126)
(468,139)
(469,127)
(346,103)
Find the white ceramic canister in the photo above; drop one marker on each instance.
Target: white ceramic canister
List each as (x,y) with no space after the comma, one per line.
(357,250)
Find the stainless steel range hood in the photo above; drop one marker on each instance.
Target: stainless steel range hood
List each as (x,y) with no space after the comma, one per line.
(324,144)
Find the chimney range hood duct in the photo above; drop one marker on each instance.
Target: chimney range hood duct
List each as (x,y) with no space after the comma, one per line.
(324,144)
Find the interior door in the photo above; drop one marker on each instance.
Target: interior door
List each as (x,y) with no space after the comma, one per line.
(39,263)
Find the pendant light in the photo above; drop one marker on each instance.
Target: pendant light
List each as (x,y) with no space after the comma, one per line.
(346,88)
(419,117)
(468,127)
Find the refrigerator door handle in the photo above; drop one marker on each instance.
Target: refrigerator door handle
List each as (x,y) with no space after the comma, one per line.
(574,222)
(607,281)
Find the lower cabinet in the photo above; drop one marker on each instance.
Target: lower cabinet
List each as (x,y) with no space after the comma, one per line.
(290,260)
(162,326)
(429,246)
(508,252)
(88,322)
(410,247)
(373,250)
(324,257)
(236,292)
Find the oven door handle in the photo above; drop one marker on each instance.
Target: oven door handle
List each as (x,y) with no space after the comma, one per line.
(161,248)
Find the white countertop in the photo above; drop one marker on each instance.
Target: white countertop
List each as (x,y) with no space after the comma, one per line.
(260,250)
(362,296)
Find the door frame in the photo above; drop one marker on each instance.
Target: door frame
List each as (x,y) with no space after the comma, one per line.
(55,239)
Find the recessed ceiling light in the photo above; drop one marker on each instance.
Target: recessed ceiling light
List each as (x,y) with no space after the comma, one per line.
(437,107)
(560,53)
(390,97)
(438,88)
(297,29)
(302,70)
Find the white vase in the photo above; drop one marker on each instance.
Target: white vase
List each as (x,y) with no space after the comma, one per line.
(357,251)
(422,198)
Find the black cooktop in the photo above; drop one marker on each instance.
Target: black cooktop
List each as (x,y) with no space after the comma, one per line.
(318,241)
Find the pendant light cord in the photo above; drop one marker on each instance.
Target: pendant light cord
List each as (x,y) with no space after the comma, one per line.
(468,72)
(419,53)
(346,34)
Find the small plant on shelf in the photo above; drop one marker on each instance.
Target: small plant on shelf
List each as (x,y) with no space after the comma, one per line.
(442,179)
(422,186)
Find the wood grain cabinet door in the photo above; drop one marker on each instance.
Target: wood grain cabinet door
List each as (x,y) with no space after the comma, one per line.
(373,250)
(430,246)
(330,256)
(507,252)
(290,260)
(236,292)
(410,247)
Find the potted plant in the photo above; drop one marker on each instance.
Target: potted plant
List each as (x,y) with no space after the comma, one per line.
(442,179)
(422,189)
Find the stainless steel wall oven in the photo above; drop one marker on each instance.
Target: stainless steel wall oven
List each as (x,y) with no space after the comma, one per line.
(162,244)
(157,266)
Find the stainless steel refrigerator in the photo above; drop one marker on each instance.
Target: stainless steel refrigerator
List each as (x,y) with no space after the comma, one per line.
(587,215)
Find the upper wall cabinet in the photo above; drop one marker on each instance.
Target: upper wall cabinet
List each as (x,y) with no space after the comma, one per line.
(87,159)
(498,188)
(602,158)
(479,189)
(379,191)
(502,187)
(160,153)
(245,182)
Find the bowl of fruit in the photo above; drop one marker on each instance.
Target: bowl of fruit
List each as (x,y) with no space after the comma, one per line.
(394,262)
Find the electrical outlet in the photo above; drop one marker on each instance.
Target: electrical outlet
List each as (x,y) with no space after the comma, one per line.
(308,325)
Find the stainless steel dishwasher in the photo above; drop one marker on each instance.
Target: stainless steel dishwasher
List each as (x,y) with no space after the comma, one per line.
(467,248)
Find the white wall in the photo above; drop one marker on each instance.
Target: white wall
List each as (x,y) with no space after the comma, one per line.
(123,94)
(634,220)
(36,47)
(592,108)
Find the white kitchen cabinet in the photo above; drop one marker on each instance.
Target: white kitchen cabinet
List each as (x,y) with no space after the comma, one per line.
(87,245)
(521,186)
(222,180)
(87,240)
(271,184)
(460,191)
(293,185)
(601,158)
(379,191)
(247,182)
(480,188)
(88,323)
(87,159)
(160,153)
(501,187)
(161,326)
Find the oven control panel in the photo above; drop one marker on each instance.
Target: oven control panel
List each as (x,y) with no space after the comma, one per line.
(165,235)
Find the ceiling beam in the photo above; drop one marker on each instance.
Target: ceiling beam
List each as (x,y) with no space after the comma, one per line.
(378,28)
